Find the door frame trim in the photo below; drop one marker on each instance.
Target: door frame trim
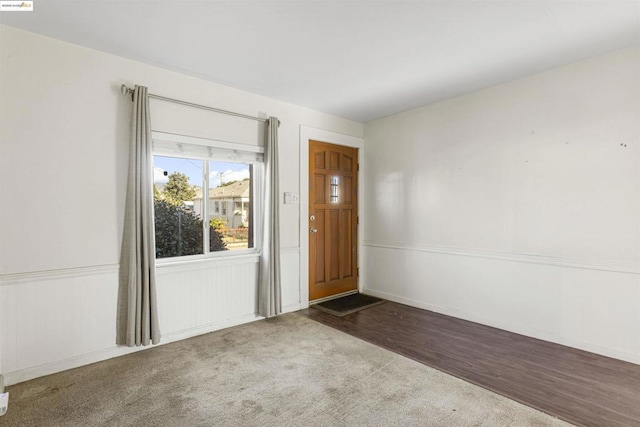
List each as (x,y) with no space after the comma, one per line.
(307,133)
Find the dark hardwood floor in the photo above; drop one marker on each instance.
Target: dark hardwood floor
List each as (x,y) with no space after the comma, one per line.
(576,386)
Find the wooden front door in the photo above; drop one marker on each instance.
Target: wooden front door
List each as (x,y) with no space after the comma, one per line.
(333,219)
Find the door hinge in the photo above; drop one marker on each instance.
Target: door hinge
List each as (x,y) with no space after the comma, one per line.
(358,271)
(358,220)
(358,167)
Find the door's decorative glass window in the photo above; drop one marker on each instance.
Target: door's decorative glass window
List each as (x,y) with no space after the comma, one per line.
(334,189)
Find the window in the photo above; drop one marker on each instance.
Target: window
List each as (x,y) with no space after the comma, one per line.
(194,185)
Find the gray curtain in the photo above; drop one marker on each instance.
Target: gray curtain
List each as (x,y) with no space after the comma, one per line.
(269,298)
(137,317)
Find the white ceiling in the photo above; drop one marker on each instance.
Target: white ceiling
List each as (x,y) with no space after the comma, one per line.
(356,59)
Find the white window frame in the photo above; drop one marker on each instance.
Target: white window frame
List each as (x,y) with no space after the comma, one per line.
(207,206)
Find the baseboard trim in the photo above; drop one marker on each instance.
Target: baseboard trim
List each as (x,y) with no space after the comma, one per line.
(515,328)
(27,374)
(588,264)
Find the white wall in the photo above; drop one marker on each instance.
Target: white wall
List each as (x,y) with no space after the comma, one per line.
(64,129)
(517,206)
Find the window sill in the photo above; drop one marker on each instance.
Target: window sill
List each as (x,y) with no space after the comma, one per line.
(205,261)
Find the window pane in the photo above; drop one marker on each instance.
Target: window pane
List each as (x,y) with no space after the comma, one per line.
(230,188)
(178,204)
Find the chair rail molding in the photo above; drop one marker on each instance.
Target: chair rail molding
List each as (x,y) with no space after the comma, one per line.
(62,273)
(587,264)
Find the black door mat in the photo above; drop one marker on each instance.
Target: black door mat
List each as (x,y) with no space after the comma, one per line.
(348,304)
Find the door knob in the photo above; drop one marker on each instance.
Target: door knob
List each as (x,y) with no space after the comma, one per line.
(313,230)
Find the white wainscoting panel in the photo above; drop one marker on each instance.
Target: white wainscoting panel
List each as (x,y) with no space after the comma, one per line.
(53,317)
(57,320)
(191,297)
(290,278)
(586,307)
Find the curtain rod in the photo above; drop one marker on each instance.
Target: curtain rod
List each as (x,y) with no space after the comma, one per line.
(127,90)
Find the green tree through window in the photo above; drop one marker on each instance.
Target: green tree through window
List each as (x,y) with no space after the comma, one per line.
(179,231)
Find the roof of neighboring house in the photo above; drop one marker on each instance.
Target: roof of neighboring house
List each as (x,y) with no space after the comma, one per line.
(237,189)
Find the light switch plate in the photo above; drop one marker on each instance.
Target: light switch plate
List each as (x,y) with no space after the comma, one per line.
(291,198)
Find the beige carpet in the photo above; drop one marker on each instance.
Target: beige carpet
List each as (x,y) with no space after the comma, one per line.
(287,371)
